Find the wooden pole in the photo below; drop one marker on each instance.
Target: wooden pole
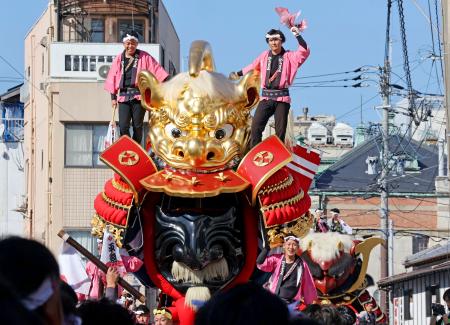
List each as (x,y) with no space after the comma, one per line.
(83,251)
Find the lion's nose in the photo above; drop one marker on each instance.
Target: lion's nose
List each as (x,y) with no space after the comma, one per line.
(196,151)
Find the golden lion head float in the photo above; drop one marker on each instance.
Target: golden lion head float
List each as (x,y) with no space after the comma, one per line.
(199,120)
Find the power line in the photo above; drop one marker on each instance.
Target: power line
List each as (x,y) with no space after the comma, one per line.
(330,74)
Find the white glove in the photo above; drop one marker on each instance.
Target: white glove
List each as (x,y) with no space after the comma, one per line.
(233,76)
(295,31)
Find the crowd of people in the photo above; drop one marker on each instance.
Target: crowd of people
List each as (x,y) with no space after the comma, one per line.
(333,223)
(41,297)
(31,292)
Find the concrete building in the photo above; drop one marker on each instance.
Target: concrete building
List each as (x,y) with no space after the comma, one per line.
(320,131)
(67,53)
(12,177)
(432,128)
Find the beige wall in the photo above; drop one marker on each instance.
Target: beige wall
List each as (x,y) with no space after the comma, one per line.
(36,127)
(81,186)
(58,197)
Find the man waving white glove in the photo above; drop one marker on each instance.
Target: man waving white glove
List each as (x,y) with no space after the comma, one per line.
(295,30)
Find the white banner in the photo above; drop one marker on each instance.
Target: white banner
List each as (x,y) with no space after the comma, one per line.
(72,269)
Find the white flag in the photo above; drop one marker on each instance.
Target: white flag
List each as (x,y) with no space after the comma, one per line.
(110,253)
(72,270)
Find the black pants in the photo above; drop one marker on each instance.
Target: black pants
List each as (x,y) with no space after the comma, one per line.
(265,109)
(131,111)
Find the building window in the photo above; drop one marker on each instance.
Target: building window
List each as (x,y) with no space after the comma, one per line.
(408,302)
(85,239)
(126,25)
(419,243)
(97,30)
(431,297)
(83,144)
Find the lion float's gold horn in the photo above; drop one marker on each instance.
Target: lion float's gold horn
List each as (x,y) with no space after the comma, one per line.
(200,58)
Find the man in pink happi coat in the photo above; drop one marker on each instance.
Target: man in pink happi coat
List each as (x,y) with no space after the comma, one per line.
(278,68)
(121,84)
(291,279)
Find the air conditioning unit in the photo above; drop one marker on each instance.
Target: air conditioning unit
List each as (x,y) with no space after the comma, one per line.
(102,71)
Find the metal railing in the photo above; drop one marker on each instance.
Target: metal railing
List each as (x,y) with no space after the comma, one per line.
(11,129)
(82,61)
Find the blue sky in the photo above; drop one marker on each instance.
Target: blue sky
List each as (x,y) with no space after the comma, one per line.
(342,35)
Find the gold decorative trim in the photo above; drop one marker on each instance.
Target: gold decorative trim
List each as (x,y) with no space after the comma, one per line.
(120,187)
(221,177)
(281,204)
(192,194)
(99,225)
(298,227)
(114,203)
(278,186)
(269,174)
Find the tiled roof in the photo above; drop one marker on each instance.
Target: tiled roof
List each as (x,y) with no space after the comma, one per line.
(349,173)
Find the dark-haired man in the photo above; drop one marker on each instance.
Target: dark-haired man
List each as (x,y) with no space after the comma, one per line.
(336,224)
(291,279)
(121,83)
(142,314)
(278,68)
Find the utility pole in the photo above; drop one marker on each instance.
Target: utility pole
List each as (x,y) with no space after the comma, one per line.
(446,53)
(384,197)
(391,267)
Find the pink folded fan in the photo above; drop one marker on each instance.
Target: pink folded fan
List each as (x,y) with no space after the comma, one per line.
(291,20)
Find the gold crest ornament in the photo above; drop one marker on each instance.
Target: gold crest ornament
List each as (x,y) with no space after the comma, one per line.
(200,120)
(128,158)
(263,158)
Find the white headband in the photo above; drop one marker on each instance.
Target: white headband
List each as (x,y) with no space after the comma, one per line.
(40,296)
(286,239)
(273,36)
(140,312)
(129,37)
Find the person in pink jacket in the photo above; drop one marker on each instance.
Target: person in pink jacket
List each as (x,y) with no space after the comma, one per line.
(121,84)
(278,68)
(291,279)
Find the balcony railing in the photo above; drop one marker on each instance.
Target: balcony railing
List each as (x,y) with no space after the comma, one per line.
(82,60)
(11,129)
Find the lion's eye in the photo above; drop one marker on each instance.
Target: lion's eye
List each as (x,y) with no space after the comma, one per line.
(223,133)
(173,131)
(220,134)
(176,133)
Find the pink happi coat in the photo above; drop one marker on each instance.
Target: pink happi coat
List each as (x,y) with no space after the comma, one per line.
(307,292)
(292,60)
(145,62)
(131,263)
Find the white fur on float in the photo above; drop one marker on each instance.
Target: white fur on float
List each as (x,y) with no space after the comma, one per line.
(196,294)
(326,246)
(214,270)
